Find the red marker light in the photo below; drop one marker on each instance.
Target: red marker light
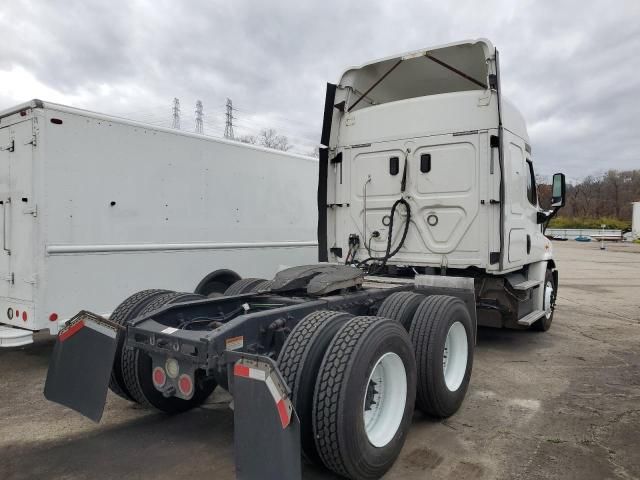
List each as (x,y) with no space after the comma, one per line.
(185,385)
(53,317)
(17,313)
(159,377)
(24,316)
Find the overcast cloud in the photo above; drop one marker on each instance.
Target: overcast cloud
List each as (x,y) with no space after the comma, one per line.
(570,66)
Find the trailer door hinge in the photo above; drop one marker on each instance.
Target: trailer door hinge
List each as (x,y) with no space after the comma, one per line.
(33,280)
(10,147)
(494,202)
(337,159)
(31,211)
(11,278)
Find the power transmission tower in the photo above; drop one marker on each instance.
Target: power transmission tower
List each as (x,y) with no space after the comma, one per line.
(176,113)
(199,116)
(228,128)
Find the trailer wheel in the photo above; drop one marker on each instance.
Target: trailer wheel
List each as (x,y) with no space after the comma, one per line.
(299,362)
(126,311)
(548,303)
(442,337)
(401,306)
(215,283)
(245,285)
(137,368)
(364,397)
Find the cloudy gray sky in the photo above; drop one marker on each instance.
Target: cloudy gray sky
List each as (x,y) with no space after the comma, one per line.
(570,66)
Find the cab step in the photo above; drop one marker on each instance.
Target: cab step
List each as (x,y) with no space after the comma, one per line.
(15,337)
(529,319)
(527,285)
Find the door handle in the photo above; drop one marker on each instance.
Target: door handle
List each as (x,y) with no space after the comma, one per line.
(4,204)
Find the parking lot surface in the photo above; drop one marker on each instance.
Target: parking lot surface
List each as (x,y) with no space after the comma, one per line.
(561,404)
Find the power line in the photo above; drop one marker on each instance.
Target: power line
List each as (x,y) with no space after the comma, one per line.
(228,128)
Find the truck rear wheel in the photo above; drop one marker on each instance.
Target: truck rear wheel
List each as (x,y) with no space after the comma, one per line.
(137,369)
(442,337)
(548,303)
(401,306)
(364,397)
(126,311)
(215,283)
(299,361)
(246,285)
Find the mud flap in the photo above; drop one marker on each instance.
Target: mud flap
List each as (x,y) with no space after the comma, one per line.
(266,426)
(80,366)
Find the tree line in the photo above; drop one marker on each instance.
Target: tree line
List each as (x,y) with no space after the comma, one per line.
(596,200)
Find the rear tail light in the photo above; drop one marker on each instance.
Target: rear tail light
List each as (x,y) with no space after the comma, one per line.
(53,317)
(24,316)
(185,385)
(159,377)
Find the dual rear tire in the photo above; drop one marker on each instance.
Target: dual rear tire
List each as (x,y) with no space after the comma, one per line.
(355,380)
(353,383)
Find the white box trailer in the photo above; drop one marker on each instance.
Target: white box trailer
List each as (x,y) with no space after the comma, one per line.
(85,196)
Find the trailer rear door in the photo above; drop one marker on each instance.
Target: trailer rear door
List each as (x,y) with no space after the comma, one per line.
(18,212)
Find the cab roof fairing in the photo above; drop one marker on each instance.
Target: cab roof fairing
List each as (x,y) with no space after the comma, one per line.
(416,75)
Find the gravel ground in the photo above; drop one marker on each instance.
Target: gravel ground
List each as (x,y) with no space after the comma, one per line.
(561,404)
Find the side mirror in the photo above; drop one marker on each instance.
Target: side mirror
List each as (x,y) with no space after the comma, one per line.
(558,191)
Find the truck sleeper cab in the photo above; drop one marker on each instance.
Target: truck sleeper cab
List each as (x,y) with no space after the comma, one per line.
(422,234)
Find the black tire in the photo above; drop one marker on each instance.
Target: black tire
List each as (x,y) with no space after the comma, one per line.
(215,283)
(264,286)
(137,367)
(343,382)
(300,360)
(400,306)
(125,312)
(243,286)
(544,323)
(432,321)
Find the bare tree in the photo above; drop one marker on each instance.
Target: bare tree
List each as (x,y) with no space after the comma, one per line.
(268,138)
(252,139)
(605,195)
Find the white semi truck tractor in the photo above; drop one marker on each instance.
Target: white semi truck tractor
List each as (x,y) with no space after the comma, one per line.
(428,225)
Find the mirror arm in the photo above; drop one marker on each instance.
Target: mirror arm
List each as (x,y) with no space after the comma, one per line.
(549,214)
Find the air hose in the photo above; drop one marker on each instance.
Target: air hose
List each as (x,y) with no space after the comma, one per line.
(382,261)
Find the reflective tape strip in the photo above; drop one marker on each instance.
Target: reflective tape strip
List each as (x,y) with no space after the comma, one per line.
(72,330)
(240,370)
(283,411)
(283,404)
(272,388)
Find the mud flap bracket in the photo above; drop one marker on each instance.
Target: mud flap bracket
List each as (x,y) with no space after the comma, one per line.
(266,426)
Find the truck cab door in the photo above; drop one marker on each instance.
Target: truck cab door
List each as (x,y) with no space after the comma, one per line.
(521,231)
